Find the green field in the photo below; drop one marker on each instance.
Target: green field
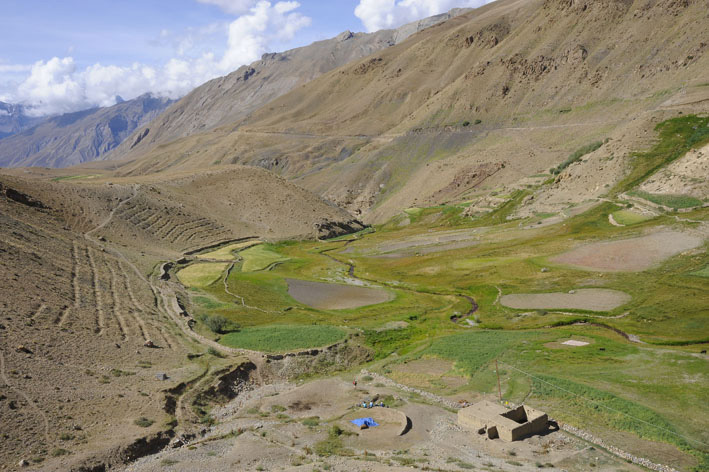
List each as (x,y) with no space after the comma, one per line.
(629,218)
(202,274)
(670,201)
(226,253)
(259,258)
(280,338)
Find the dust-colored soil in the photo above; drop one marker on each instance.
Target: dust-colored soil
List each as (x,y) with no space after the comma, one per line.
(326,296)
(593,299)
(426,366)
(271,435)
(562,343)
(427,373)
(685,176)
(630,255)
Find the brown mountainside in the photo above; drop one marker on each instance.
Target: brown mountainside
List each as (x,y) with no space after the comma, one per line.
(487,98)
(231,98)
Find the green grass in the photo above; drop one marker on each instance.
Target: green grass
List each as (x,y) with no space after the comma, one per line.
(281,338)
(226,253)
(576,156)
(629,218)
(201,274)
(675,137)
(472,351)
(702,273)
(614,412)
(670,201)
(259,258)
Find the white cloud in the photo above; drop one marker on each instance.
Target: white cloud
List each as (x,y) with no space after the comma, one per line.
(59,86)
(249,35)
(383,14)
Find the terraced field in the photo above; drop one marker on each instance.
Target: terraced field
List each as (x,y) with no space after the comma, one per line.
(167,223)
(84,318)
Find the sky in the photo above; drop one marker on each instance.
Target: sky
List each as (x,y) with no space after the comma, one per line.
(70,55)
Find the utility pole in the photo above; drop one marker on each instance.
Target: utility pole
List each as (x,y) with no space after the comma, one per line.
(499,388)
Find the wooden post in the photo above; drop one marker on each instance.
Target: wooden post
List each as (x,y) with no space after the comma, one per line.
(499,388)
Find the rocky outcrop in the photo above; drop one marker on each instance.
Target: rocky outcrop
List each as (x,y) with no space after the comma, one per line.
(333,358)
(333,229)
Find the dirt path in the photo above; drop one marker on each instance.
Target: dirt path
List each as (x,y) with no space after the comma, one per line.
(389,136)
(25,396)
(239,297)
(612,221)
(113,212)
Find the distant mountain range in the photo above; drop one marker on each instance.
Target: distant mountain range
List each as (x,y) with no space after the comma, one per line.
(14,118)
(73,138)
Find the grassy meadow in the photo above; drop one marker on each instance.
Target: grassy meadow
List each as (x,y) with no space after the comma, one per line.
(645,392)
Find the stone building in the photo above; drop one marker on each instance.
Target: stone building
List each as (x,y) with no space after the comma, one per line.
(497,421)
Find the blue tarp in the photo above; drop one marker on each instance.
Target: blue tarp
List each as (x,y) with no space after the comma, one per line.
(365,421)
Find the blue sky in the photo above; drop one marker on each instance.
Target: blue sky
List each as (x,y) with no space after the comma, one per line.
(67,55)
(124,32)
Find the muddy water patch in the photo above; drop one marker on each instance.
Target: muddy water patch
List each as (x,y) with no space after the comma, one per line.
(325,296)
(629,255)
(592,299)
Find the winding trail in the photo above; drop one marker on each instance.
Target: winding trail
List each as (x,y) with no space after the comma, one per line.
(612,221)
(113,212)
(239,297)
(25,396)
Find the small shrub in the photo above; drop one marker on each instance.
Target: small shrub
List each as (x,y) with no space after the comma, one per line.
(312,422)
(144,422)
(168,462)
(121,373)
(66,437)
(576,156)
(213,352)
(219,325)
(59,452)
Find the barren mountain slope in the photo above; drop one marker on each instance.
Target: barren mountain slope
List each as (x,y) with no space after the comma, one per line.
(74,317)
(75,138)
(230,98)
(495,95)
(77,303)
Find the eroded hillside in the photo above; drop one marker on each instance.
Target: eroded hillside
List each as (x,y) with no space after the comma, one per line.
(504,92)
